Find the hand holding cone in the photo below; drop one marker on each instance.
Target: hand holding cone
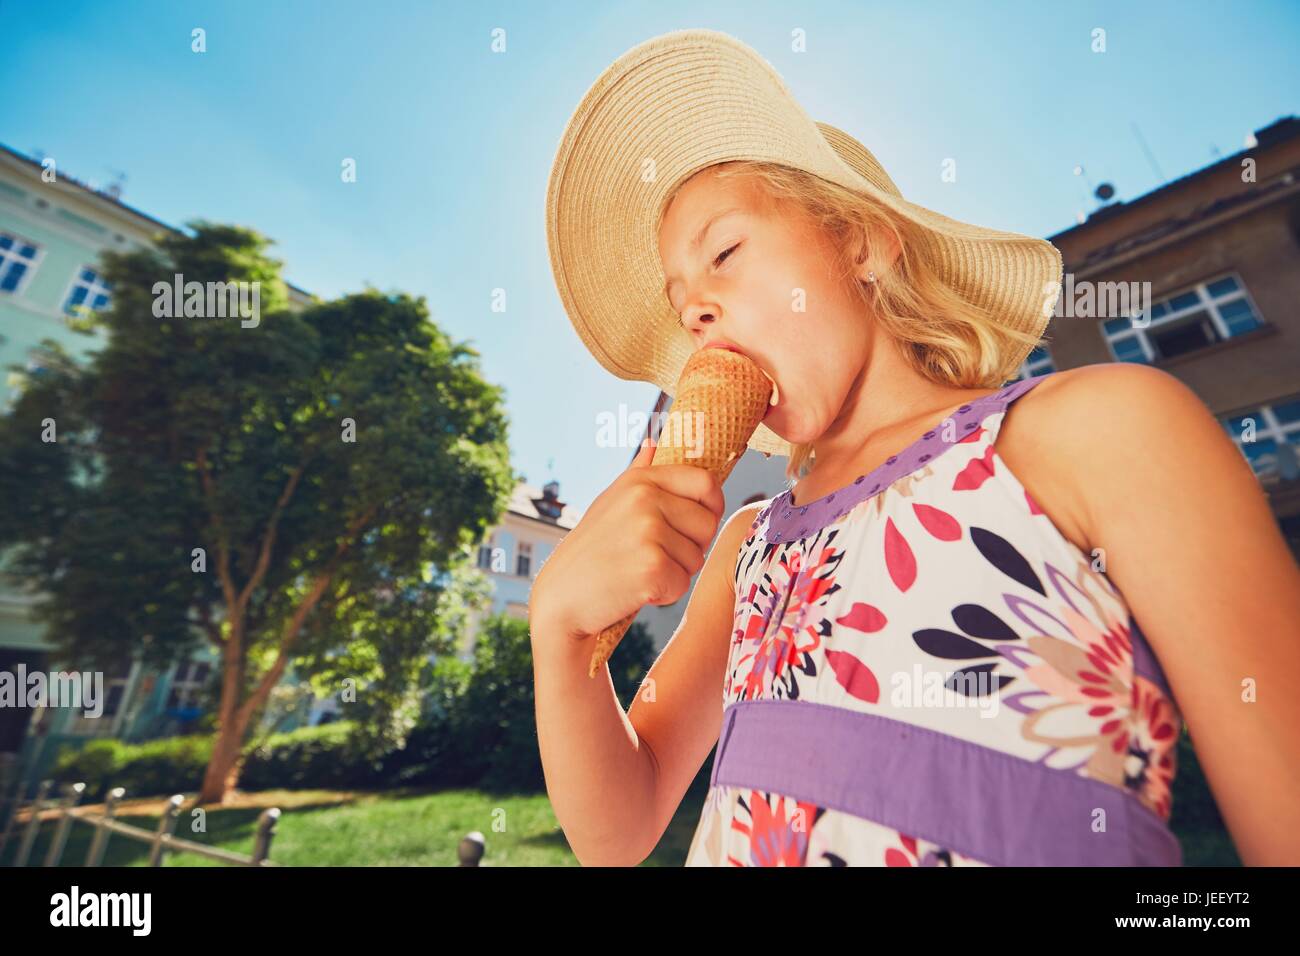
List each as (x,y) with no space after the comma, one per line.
(721,398)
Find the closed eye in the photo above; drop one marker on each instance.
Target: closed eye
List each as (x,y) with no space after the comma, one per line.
(722,257)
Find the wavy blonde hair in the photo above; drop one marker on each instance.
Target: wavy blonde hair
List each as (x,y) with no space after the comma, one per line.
(942,335)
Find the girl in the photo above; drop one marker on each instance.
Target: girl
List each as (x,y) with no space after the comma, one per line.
(927,648)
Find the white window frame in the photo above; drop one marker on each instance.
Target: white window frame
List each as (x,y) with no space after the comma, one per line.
(1267,425)
(484,560)
(1205,303)
(92,289)
(32,265)
(189,685)
(105,725)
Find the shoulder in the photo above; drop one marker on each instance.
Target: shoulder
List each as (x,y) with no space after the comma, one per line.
(1109,394)
(742,521)
(1112,429)
(1102,408)
(725,551)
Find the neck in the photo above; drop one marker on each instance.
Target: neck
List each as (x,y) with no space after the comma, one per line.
(886,395)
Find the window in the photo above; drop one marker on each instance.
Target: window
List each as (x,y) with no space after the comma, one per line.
(89,291)
(17,261)
(485,551)
(39,362)
(1184,323)
(187,683)
(1269,437)
(115,684)
(524,560)
(1037,362)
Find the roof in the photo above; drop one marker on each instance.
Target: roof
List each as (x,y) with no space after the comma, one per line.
(1286,128)
(521,503)
(104,197)
(1280,185)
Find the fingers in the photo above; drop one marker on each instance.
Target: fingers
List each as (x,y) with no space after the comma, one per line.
(684,553)
(691,481)
(645,455)
(688,517)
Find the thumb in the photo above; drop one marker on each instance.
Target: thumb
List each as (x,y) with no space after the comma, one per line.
(645,455)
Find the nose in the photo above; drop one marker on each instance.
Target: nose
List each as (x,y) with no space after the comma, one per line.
(698,317)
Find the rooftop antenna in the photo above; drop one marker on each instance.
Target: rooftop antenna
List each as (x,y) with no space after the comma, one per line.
(1104,192)
(1150,158)
(114,188)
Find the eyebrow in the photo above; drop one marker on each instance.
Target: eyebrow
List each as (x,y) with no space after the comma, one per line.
(699,238)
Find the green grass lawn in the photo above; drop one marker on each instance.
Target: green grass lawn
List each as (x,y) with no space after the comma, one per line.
(400,828)
(389,828)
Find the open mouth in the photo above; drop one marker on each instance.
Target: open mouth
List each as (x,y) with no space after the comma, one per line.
(776,391)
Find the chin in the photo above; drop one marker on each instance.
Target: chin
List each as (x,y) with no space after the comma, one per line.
(777,421)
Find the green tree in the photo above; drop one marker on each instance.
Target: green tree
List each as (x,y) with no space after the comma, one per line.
(335,466)
(481,727)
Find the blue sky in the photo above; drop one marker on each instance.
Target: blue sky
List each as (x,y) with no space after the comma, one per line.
(453,142)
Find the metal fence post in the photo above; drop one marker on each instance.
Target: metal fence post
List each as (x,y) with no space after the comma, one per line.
(166,826)
(100,843)
(471,849)
(71,796)
(34,824)
(8,804)
(266,822)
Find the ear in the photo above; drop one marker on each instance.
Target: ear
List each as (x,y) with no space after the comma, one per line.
(875,250)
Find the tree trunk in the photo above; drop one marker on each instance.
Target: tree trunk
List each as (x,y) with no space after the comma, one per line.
(223,769)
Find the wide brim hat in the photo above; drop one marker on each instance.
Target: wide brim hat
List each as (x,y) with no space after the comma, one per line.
(677,103)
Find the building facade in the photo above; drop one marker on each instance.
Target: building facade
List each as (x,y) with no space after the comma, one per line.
(1214,260)
(53,230)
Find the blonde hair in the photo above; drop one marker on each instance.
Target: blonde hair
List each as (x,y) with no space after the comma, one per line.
(942,335)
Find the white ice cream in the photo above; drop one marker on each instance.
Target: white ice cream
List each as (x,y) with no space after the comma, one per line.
(776,393)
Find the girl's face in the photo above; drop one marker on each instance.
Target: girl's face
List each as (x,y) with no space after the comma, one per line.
(762,279)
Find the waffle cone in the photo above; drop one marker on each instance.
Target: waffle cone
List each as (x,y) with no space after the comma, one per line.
(721,397)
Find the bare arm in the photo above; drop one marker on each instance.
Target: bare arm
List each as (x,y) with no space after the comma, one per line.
(605,783)
(677,712)
(1192,544)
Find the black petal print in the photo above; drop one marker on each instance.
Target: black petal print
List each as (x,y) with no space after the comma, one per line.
(949,646)
(969,681)
(1005,558)
(833,859)
(978,621)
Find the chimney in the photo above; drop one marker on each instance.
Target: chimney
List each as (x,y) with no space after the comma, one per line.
(549,504)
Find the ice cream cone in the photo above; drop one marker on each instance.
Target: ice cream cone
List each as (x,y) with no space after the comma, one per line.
(721,398)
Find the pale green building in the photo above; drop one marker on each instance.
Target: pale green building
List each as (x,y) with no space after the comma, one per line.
(53,229)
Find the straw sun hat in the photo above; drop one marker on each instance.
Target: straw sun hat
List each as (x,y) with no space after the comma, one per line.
(685,100)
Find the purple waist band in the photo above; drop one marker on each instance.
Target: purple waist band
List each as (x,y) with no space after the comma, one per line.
(991,806)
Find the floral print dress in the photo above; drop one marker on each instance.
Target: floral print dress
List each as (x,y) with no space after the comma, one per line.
(924,671)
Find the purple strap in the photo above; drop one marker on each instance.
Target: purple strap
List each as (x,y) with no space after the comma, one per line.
(991,806)
(788,521)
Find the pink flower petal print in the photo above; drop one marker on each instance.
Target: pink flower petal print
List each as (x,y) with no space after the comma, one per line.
(863,617)
(938,522)
(1033,505)
(898,557)
(854,676)
(976,472)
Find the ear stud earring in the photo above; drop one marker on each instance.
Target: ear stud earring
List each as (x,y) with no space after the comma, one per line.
(871,277)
